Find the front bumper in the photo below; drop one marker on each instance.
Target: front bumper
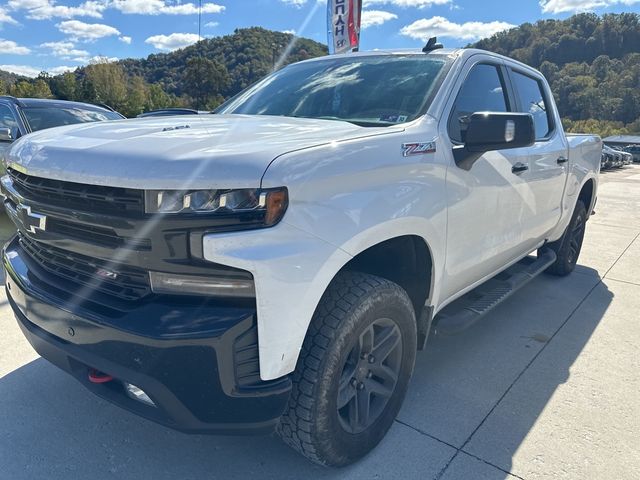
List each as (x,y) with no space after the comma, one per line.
(197,363)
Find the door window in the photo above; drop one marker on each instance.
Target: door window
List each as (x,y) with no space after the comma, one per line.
(7,120)
(482,91)
(532,100)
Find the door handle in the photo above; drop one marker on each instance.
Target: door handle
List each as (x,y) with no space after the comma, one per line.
(562,160)
(520,167)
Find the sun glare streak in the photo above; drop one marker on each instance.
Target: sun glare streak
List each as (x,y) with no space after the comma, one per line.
(299,31)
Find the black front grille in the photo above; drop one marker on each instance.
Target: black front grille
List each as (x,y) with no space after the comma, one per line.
(127,284)
(105,237)
(107,200)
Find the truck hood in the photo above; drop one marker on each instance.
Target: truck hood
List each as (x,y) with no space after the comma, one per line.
(190,152)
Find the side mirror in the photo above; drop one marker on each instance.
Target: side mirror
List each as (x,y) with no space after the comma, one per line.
(489,131)
(5,135)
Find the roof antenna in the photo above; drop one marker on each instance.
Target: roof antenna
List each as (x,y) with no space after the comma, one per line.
(432,45)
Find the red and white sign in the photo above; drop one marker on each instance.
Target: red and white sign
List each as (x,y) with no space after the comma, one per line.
(344,25)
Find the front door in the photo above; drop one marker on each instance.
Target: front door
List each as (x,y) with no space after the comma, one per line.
(490,203)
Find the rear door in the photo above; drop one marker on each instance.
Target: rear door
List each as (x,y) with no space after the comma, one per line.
(548,158)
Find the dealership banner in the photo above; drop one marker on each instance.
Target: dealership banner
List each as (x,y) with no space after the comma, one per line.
(343,18)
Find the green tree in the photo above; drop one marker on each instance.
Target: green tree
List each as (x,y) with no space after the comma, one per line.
(40,89)
(205,79)
(158,98)
(137,97)
(65,86)
(109,83)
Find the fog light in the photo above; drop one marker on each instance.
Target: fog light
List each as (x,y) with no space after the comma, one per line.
(170,284)
(138,394)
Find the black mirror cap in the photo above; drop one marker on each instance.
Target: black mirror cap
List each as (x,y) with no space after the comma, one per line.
(489,131)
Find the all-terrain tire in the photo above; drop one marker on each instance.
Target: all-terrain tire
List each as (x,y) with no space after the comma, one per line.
(354,306)
(568,247)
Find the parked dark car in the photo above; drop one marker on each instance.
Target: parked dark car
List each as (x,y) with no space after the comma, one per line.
(167,112)
(19,116)
(613,158)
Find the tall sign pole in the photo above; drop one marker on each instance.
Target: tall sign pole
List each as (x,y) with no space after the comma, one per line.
(343,22)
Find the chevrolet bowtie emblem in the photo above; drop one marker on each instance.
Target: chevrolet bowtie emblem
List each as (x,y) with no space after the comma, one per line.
(30,220)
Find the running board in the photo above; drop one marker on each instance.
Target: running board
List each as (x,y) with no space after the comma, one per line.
(471,307)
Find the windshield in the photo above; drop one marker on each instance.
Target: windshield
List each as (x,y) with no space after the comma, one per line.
(365,90)
(40,118)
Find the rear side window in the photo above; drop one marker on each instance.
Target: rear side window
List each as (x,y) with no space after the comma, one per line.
(532,100)
(483,91)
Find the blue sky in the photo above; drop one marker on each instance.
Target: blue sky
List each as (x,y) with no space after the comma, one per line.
(55,35)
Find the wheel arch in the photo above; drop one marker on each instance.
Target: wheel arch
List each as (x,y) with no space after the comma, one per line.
(588,195)
(405,260)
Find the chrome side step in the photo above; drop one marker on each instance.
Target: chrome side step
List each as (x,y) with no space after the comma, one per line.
(470,308)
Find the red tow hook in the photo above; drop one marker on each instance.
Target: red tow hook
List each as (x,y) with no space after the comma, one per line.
(96,376)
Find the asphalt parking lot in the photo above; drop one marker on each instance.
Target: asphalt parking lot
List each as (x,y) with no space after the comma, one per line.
(546,386)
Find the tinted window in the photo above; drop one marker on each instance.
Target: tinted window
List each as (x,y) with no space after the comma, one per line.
(482,91)
(7,120)
(40,118)
(532,100)
(367,90)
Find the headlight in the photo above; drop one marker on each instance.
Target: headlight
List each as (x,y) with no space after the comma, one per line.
(270,204)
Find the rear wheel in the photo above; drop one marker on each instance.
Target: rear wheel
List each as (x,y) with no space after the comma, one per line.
(353,370)
(568,247)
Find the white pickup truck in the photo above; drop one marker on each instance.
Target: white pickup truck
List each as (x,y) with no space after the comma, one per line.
(279,263)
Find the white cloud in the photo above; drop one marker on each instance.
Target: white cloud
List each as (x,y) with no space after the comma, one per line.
(9,47)
(173,41)
(562,6)
(372,18)
(47,9)
(64,49)
(86,32)
(30,71)
(60,70)
(125,39)
(426,28)
(289,32)
(295,3)
(406,3)
(211,24)
(160,7)
(6,18)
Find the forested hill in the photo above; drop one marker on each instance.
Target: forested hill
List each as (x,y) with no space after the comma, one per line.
(246,56)
(592,63)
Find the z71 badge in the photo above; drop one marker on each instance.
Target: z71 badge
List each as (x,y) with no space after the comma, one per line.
(409,149)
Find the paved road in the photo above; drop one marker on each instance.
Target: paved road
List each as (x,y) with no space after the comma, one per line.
(547,386)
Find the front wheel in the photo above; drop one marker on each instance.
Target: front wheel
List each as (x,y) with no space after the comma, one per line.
(353,370)
(568,247)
